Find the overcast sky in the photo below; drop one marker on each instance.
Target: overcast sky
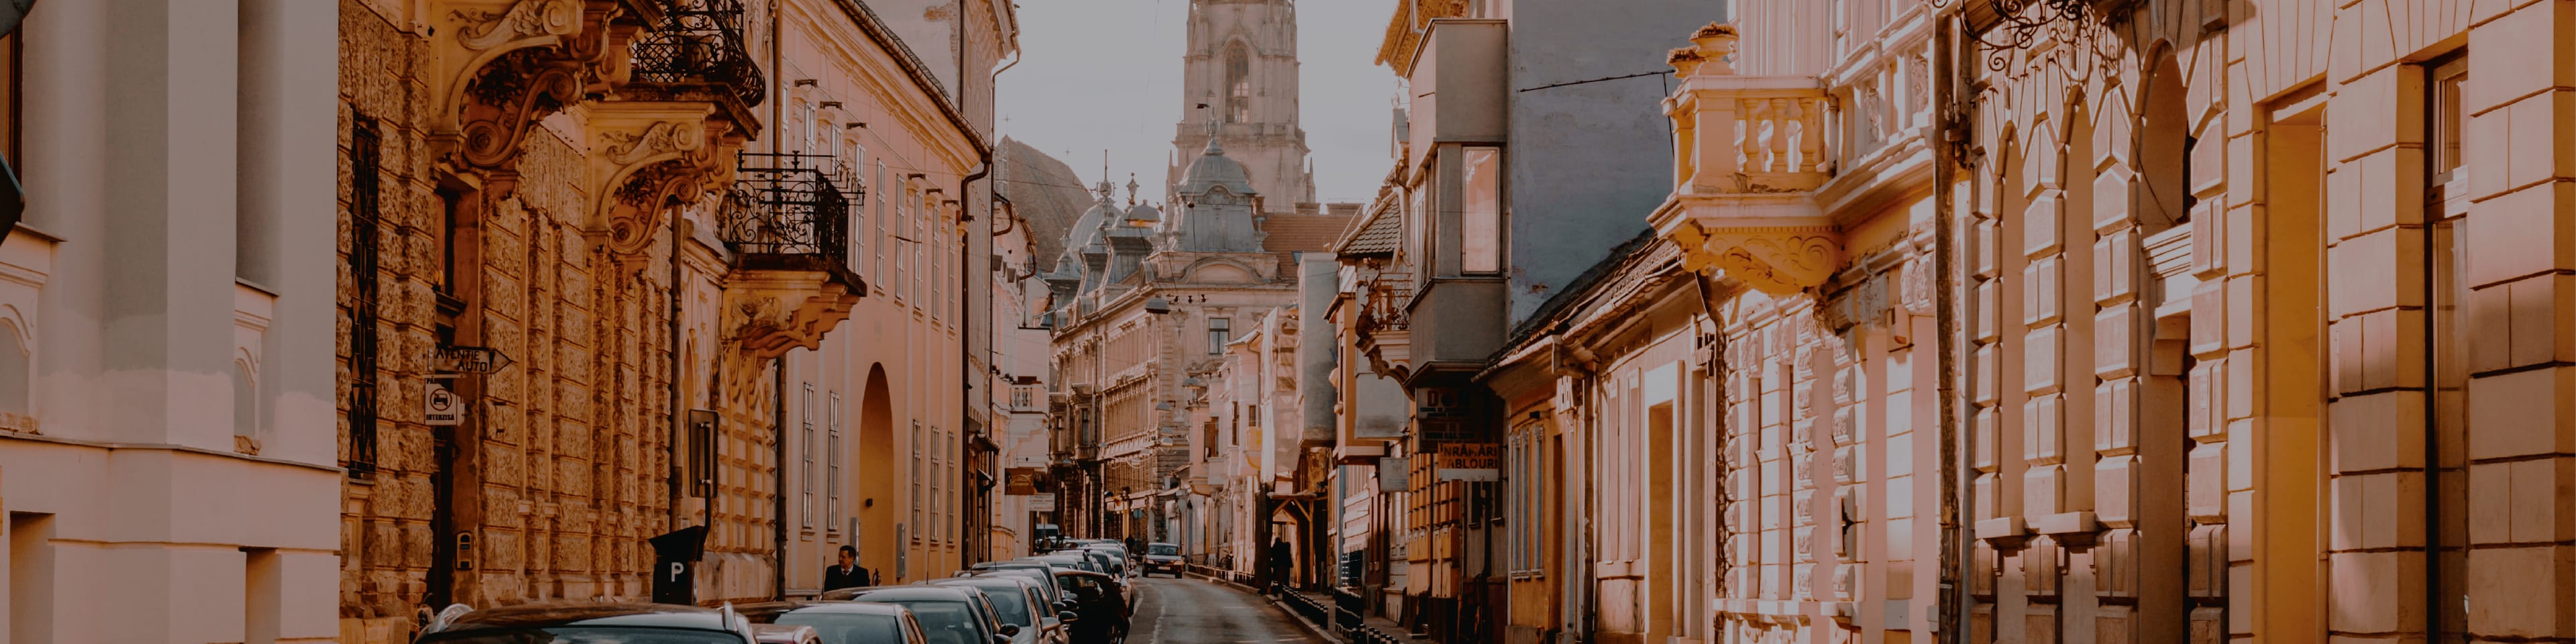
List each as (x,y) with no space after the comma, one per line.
(1100,75)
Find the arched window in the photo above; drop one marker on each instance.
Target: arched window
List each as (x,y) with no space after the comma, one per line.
(245,401)
(1238,84)
(13,371)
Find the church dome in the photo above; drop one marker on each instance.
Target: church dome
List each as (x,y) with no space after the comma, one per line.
(1144,214)
(1213,169)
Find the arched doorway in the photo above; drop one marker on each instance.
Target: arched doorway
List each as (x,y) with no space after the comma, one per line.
(877,489)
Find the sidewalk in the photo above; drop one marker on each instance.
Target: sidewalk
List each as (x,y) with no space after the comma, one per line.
(1372,629)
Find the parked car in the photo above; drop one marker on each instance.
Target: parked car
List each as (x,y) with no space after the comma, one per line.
(1036,572)
(1104,609)
(588,623)
(843,622)
(948,615)
(1016,601)
(784,634)
(1164,557)
(1069,560)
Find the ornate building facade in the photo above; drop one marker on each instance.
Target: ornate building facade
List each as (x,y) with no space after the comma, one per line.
(595,228)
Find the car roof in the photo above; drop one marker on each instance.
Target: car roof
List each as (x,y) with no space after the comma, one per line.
(903,593)
(1012,581)
(1161,543)
(837,607)
(546,614)
(1064,573)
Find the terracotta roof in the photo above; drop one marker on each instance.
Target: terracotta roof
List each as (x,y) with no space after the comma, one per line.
(1380,234)
(1309,233)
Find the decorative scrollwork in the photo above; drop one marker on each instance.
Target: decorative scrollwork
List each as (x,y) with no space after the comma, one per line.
(644,196)
(507,99)
(485,29)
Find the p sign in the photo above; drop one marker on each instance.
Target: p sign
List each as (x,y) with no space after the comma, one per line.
(676,554)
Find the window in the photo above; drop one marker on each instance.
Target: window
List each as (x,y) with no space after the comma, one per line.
(2447,119)
(877,269)
(365,206)
(13,80)
(805,417)
(451,205)
(832,472)
(14,367)
(2449,476)
(920,471)
(1238,82)
(245,401)
(1480,212)
(1219,332)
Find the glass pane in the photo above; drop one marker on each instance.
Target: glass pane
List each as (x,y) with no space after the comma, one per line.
(2447,120)
(2450,415)
(1480,212)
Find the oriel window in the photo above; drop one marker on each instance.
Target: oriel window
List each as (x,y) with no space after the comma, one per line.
(1480,212)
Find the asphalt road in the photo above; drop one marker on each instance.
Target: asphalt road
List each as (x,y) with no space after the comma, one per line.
(1191,611)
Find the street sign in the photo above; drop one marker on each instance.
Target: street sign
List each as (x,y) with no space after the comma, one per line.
(1020,481)
(468,360)
(1042,503)
(441,407)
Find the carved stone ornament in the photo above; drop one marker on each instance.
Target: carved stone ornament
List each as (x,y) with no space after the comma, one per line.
(647,158)
(504,65)
(1916,290)
(1779,260)
(766,315)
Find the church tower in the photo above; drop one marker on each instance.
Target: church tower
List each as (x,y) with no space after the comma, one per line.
(1242,65)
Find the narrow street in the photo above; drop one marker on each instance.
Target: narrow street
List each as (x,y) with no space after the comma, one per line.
(1192,611)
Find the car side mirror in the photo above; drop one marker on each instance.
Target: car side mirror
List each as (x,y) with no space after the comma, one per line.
(999,638)
(1010,629)
(1068,617)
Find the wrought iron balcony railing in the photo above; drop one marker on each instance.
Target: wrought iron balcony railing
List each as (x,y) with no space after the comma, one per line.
(700,41)
(785,206)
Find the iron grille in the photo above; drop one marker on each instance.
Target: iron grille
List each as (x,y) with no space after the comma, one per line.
(700,41)
(366,200)
(787,204)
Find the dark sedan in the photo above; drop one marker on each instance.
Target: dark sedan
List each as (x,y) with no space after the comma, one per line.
(588,623)
(949,615)
(1103,608)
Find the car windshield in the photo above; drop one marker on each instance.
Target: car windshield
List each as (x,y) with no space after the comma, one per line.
(946,622)
(1163,549)
(1008,601)
(1076,583)
(848,628)
(586,635)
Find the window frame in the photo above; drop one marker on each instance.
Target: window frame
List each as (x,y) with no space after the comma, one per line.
(1485,258)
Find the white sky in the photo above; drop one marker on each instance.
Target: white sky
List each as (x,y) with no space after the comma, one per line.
(1100,75)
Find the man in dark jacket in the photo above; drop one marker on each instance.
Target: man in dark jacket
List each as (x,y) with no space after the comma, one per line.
(1283,560)
(847,574)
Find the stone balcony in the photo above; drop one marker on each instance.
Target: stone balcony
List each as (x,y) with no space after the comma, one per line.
(788,225)
(1749,155)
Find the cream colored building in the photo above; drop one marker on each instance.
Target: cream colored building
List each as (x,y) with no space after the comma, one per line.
(2155,323)
(167,446)
(883,417)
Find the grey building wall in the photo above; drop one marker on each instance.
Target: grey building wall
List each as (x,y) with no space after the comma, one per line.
(1591,150)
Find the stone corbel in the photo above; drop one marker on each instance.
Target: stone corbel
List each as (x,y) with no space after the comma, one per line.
(1779,260)
(645,159)
(769,312)
(504,64)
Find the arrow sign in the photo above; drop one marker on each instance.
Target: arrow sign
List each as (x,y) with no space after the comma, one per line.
(468,360)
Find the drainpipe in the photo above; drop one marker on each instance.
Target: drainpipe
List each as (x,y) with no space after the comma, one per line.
(778,415)
(679,407)
(1957,504)
(778,428)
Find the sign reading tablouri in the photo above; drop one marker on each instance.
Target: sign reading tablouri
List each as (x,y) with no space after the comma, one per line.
(1021,481)
(1470,462)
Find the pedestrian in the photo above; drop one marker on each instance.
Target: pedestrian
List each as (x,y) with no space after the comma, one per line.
(1282,560)
(848,573)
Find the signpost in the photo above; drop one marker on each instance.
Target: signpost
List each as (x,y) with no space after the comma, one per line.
(441,407)
(468,360)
